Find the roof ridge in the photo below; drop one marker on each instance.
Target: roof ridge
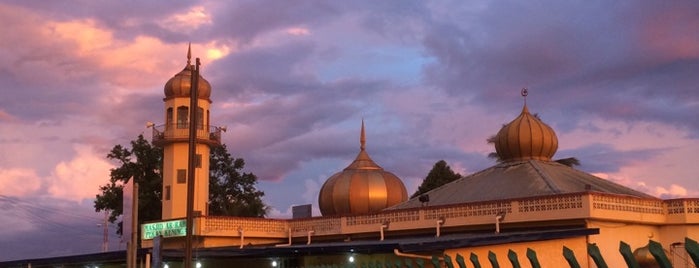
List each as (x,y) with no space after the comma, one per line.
(545,176)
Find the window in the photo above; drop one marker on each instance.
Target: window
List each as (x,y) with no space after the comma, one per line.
(200,118)
(197,161)
(167,192)
(168,119)
(181,176)
(182,117)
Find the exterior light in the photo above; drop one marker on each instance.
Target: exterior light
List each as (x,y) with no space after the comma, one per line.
(166,266)
(274,263)
(351,259)
(198,264)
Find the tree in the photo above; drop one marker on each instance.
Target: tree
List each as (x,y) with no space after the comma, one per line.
(232,192)
(440,174)
(143,162)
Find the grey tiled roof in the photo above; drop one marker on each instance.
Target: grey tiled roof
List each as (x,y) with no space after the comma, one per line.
(520,179)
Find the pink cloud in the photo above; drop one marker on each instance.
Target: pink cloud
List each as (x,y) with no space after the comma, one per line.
(4,116)
(19,182)
(80,177)
(298,31)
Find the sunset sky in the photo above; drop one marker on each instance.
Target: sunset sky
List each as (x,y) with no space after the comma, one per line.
(292,80)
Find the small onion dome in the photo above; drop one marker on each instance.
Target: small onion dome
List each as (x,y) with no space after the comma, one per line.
(524,138)
(645,258)
(179,85)
(362,187)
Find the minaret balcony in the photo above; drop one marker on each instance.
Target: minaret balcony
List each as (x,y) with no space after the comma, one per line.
(166,134)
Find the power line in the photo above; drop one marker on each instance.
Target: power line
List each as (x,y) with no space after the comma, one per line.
(22,204)
(45,216)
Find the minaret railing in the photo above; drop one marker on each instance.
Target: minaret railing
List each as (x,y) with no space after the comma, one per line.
(179,132)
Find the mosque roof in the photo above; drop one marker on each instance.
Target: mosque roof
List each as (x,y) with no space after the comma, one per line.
(520,179)
(525,147)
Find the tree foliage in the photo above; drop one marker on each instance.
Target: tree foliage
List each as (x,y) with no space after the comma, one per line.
(440,174)
(143,162)
(231,192)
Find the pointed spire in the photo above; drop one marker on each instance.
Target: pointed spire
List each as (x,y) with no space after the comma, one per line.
(363,161)
(189,54)
(362,138)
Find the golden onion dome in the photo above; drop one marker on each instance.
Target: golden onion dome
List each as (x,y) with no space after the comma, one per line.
(524,138)
(179,85)
(362,187)
(645,258)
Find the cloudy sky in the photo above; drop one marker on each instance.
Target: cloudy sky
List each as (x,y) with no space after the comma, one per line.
(292,80)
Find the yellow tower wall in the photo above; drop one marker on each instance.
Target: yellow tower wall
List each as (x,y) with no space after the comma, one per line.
(176,157)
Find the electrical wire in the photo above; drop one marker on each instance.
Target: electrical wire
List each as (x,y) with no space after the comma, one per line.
(45,217)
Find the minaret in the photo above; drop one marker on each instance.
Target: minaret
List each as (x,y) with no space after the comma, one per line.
(173,137)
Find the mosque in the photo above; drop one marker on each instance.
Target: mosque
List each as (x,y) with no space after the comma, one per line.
(526,209)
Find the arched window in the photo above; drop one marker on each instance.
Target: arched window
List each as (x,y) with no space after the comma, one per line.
(200,118)
(168,118)
(182,117)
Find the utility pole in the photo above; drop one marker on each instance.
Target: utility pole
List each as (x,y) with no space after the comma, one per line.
(132,245)
(193,107)
(105,234)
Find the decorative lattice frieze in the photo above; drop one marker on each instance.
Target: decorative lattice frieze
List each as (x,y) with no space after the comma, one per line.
(692,206)
(246,224)
(551,203)
(470,210)
(675,206)
(319,225)
(397,216)
(627,204)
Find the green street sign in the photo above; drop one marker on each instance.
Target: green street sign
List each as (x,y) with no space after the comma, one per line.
(165,228)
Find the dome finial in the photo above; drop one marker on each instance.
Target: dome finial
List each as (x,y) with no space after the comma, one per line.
(362,138)
(189,54)
(525,92)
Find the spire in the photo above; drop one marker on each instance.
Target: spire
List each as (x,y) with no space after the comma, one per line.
(189,54)
(363,161)
(525,92)
(362,138)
